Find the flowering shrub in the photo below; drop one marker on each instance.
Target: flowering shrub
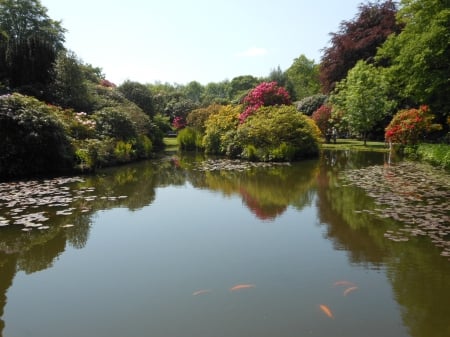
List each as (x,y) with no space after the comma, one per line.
(179,123)
(408,126)
(265,94)
(107,84)
(322,118)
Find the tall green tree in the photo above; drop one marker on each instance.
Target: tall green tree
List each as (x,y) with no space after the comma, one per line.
(139,94)
(33,40)
(303,74)
(362,97)
(69,88)
(218,93)
(419,57)
(239,86)
(194,91)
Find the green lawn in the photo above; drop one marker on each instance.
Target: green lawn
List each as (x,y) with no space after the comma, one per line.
(171,143)
(354,144)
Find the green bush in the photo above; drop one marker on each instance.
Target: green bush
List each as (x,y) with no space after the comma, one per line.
(123,151)
(220,130)
(435,154)
(33,140)
(94,153)
(112,122)
(278,133)
(144,147)
(189,139)
(310,104)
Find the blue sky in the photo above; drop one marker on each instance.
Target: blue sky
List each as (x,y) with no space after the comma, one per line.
(180,41)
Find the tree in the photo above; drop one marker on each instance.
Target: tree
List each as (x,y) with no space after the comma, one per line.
(32,42)
(322,117)
(139,94)
(303,74)
(193,91)
(357,40)
(239,86)
(69,88)
(218,93)
(419,57)
(362,97)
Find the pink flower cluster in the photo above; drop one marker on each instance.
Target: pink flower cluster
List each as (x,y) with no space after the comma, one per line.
(83,119)
(178,123)
(265,94)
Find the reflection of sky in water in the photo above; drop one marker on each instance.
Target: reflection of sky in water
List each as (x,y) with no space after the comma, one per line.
(137,273)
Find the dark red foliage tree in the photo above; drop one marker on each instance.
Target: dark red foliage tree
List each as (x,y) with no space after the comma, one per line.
(357,40)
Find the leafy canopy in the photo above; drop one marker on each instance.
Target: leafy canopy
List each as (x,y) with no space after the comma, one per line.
(419,57)
(356,40)
(362,97)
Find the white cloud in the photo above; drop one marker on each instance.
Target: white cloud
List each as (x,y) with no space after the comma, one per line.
(252,52)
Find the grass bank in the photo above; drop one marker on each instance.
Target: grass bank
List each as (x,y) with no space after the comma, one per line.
(357,145)
(171,144)
(435,154)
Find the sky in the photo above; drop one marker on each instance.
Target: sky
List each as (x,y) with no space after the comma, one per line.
(179,41)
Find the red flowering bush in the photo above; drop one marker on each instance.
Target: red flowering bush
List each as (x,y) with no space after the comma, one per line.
(178,123)
(408,126)
(322,118)
(265,94)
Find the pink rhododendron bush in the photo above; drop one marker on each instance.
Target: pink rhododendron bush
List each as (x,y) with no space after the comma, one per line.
(265,94)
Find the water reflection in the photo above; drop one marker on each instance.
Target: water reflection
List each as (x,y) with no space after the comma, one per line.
(419,277)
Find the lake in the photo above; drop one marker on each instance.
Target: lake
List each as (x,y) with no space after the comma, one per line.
(180,246)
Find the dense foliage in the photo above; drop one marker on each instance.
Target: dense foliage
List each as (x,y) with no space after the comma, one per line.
(33,140)
(356,40)
(278,133)
(30,44)
(410,126)
(265,94)
(419,57)
(303,75)
(363,98)
(322,118)
(220,131)
(311,103)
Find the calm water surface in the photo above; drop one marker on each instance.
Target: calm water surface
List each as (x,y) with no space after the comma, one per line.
(153,249)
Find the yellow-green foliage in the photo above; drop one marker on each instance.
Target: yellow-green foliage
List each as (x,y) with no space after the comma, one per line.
(197,118)
(189,139)
(278,133)
(220,129)
(123,151)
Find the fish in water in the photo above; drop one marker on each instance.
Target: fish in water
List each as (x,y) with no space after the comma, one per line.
(242,286)
(349,290)
(343,284)
(326,310)
(201,292)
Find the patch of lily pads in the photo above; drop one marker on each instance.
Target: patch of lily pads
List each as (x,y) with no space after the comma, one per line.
(29,204)
(234,165)
(416,196)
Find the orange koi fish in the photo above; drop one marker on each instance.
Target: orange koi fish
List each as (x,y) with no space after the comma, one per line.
(201,292)
(242,286)
(326,310)
(343,284)
(349,290)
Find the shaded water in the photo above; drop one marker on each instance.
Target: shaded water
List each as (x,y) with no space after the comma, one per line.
(155,248)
